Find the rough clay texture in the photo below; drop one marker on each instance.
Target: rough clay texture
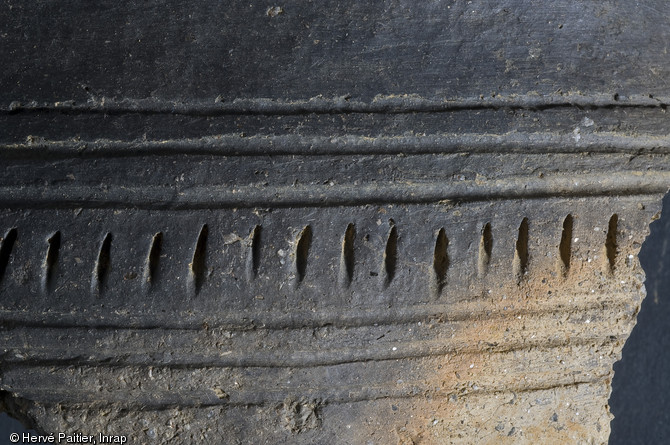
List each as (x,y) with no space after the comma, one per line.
(326,223)
(438,327)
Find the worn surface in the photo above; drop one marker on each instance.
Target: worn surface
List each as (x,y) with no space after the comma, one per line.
(326,223)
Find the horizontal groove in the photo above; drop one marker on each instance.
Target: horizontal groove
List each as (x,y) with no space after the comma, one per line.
(218,196)
(259,145)
(143,400)
(336,105)
(282,358)
(204,398)
(299,319)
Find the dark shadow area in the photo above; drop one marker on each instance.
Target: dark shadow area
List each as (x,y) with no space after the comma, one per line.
(9,425)
(640,399)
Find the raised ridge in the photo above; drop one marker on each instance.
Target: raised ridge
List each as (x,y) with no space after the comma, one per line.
(258,145)
(216,197)
(409,103)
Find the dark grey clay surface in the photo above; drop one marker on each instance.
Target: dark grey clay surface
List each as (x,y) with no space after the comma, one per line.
(384,222)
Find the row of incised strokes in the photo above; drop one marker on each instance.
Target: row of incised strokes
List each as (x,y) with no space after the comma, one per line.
(197,268)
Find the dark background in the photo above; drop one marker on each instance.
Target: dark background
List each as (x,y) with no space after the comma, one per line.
(640,398)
